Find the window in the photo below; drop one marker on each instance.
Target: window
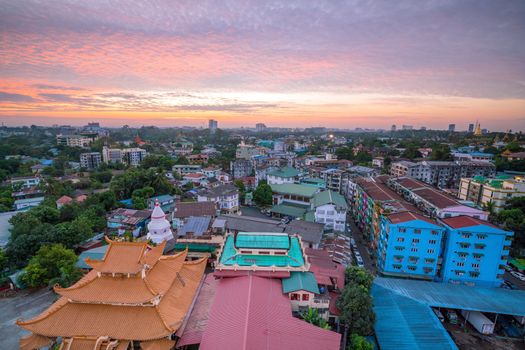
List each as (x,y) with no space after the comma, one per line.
(399,248)
(429,261)
(415,240)
(413,250)
(482,236)
(479,246)
(473,274)
(459,272)
(434,232)
(396,266)
(401,239)
(464,244)
(294,296)
(306,297)
(465,235)
(460,264)
(417,230)
(430,251)
(402,230)
(432,241)
(476,266)
(412,268)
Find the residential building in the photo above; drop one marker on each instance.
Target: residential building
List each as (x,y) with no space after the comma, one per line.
(123,287)
(473,157)
(111,155)
(225,196)
(281,176)
(260,127)
(212,126)
(27,203)
(198,158)
(338,247)
(185,169)
(181,148)
(330,209)
(498,190)
(442,174)
(74,140)
(363,171)
(195,178)
(183,210)
(24,181)
(130,156)
(310,232)
(198,238)
(90,160)
(513,156)
(409,245)
(312,181)
(292,200)
(124,220)
(475,252)
(166,202)
(335,179)
(378,162)
(211,171)
(241,168)
(245,151)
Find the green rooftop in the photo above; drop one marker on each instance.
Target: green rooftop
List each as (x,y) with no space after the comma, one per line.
(518,263)
(330,197)
(295,189)
(262,240)
(300,281)
(286,171)
(231,256)
(195,247)
(93,254)
(290,209)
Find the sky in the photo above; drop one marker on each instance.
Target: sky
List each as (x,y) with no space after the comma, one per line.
(287,63)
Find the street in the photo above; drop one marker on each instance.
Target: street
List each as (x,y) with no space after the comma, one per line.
(362,248)
(518,283)
(23,306)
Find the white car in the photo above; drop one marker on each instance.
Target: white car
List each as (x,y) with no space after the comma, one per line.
(518,275)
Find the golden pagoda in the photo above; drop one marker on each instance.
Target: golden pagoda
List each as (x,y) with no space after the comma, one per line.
(134,295)
(477,131)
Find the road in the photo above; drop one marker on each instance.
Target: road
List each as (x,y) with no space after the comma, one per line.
(23,306)
(518,283)
(254,212)
(362,247)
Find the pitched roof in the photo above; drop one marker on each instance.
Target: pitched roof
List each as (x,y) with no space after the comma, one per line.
(150,303)
(326,271)
(285,172)
(290,209)
(330,197)
(187,209)
(295,189)
(435,197)
(407,216)
(300,281)
(64,200)
(252,313)
(221,190)
(463,221)
(250,223)
(311,232)
(197,225)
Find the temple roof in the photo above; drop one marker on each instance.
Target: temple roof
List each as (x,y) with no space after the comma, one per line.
(142,306)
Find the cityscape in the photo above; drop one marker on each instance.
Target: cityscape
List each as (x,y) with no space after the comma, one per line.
(262,175)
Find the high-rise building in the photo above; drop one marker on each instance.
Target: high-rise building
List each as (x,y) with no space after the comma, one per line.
(212,125)
(393,127)
(471,128)
(451,127)
(90,160)
(260,127)
(407,127)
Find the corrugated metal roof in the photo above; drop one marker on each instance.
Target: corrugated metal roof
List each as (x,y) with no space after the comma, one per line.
(403,323)
(262,240)
(494,300)
(295,189)
(330,197)
(300,281)
(197,225)
(288,209)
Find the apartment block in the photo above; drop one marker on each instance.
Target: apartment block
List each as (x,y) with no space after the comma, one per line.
(497,191)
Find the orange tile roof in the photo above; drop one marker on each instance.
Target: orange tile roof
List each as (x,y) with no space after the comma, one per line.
(121,257)
(144,306)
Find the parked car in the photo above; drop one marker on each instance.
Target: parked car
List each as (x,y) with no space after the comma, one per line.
(508,268)
(518,275)
(359,261)
(352,242)
(452,316)
(439,315)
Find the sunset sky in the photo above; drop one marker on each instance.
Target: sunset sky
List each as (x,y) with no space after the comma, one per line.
(298,63)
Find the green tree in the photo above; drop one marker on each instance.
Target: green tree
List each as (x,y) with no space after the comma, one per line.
(441,152)
(242,189)
(359,276)
(262,195)
(181,160)
(358,342)
(51,263)
(3,261)
(312,316)
(140,197)
(411,152)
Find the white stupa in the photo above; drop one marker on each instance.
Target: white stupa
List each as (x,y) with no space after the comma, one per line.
(159,229)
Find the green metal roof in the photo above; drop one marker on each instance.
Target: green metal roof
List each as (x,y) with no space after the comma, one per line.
(93,254)
(262,240)
(230,256)
(286,172)
(404,323)
(518,263)
(309,216)
(295,189)
(330,197)
(313,180)
(300,281)
(290,210)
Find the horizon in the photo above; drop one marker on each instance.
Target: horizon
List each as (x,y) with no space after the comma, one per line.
(356,64)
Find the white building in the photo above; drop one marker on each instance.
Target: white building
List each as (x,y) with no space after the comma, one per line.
(131,156)
(25,181)
(286,175)
(90,160)
(159,229)
(225,196)
(499,191)
(73,140)
(330,209)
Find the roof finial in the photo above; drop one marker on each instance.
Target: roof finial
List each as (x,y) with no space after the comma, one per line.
(157,202)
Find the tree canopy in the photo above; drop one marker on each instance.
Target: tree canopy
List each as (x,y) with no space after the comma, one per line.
(262,195)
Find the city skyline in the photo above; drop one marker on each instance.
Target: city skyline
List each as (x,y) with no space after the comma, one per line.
(290,64)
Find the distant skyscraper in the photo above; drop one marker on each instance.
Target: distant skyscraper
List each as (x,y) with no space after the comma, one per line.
(260,127)
(471,128)
(451,127)
(423,128)
(407,127)
(212,125)
(394,127)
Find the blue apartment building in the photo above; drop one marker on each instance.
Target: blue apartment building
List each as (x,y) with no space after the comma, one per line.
(475,252)
(409,246)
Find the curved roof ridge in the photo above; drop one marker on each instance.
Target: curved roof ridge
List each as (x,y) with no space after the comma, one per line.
(169,258)
(87,279)
(55,307)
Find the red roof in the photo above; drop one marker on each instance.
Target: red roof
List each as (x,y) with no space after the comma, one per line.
(466,221)
(325,269)
(407,216)
(252,313)
(64,200)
